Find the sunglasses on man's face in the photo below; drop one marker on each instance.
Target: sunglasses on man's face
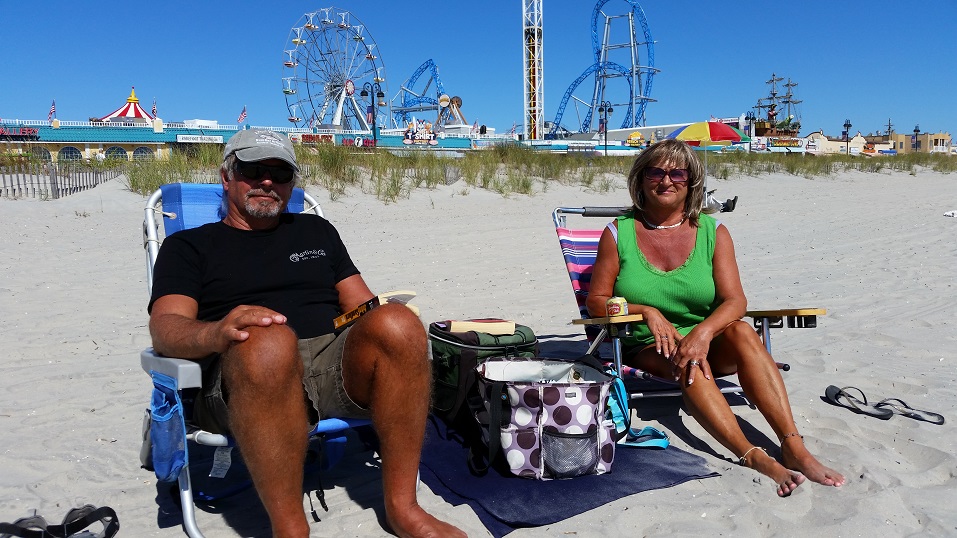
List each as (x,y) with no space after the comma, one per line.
(255,171)
(677,175)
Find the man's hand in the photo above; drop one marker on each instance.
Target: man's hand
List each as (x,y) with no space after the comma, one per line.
(177,333)
(232,328)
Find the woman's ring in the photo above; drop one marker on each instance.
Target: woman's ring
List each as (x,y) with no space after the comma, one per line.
(694,363)
(664,337)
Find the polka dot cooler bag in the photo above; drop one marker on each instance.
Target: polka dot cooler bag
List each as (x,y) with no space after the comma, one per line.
(546,417)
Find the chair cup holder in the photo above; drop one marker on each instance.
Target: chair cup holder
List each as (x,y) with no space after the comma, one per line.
(167,429)
(802,322)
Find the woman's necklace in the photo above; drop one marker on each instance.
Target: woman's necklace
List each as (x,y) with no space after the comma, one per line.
(663,227)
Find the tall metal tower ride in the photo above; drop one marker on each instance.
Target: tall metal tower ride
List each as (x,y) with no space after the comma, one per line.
(619,75)
(534,92)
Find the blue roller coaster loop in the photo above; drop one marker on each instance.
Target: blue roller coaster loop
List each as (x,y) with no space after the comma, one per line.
(644,87)
(411,102)
(594,68)
(634,117)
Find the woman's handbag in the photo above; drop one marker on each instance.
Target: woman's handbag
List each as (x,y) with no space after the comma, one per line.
(547,418)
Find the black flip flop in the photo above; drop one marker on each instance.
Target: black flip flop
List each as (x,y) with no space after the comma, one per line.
(896,405)
(840,397)
(25,527)
(77,520)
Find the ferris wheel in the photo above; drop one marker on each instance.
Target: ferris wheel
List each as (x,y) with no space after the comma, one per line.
(621,76)
(328,57)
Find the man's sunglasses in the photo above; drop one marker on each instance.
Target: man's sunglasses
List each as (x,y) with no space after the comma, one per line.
(255,171)
(677,175)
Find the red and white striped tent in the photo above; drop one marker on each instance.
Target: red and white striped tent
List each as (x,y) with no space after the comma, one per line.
(129,112)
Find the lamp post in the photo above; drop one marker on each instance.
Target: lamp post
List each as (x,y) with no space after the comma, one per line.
(374,89)
(749,118)
(847,137)
(605,110)
(916,141)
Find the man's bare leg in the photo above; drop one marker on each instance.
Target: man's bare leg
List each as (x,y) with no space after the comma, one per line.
(386,368)
(267,416)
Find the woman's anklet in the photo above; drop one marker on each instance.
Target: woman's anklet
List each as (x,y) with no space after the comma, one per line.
(743,460)
(792,434)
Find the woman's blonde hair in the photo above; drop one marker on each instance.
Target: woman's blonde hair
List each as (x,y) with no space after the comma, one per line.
(677,154)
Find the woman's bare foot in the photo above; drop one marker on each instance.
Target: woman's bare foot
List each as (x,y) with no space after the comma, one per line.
(414,522)
(786,479)
(796,456)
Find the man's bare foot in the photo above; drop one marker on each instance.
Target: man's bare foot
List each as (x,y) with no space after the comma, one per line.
(786,479)
(796,456)
(414,522)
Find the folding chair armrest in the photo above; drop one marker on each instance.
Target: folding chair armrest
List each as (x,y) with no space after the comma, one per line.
(188,374)
(779,312)
(609,320)
(765,320)
(796,317)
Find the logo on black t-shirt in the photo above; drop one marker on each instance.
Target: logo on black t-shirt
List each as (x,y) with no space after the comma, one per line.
(306,255)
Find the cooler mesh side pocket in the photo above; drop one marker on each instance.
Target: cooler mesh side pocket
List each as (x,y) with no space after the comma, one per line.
(167,429)
(445,378)
(569,454)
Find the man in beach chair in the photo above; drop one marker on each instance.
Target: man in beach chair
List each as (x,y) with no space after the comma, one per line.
(257,294)
(675,266)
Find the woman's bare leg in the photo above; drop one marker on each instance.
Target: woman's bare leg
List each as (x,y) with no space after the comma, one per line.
(710,408)
(738,348)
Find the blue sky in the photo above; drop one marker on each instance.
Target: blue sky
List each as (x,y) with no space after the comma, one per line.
(864,61)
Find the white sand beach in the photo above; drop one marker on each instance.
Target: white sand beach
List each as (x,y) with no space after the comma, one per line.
(873,249)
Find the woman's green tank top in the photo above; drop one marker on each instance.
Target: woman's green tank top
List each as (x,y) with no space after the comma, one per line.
(685,295)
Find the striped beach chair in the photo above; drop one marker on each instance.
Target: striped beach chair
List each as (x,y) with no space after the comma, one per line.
(580,248)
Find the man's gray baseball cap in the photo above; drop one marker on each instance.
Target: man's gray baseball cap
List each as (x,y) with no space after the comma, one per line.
(254,145)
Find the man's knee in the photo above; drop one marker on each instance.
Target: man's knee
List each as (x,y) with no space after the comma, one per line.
(269,355)
(394,325)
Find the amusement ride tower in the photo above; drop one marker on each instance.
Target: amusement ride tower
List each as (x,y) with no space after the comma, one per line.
(534,92)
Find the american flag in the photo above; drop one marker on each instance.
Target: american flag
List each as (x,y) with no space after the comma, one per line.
(52,111)
(242,116)
(154,106)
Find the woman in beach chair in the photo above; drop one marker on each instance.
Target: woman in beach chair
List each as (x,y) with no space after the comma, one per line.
(676,266)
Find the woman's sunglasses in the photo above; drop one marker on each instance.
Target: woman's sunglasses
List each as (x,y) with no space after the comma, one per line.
(278,174)
(677,175)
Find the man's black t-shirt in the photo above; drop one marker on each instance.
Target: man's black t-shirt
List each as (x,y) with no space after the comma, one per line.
(292,269)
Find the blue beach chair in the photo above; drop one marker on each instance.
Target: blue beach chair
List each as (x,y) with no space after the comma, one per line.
(183,206)
(580,248)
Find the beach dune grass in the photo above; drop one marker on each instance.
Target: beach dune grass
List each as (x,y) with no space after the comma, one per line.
(506,169)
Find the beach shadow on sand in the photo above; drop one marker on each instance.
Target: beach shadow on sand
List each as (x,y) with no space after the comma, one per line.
(356,481)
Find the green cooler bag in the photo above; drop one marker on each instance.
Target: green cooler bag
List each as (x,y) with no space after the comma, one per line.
(454,357)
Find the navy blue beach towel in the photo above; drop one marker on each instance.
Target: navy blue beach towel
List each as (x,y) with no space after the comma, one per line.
(505,503)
